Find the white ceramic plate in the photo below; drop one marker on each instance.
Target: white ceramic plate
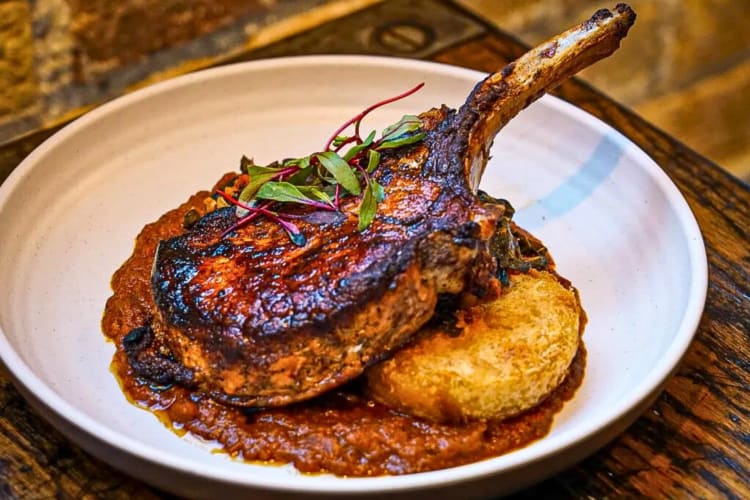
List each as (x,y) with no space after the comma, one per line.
(616,225)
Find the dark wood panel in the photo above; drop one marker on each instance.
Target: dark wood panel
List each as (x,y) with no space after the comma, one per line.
(36,461)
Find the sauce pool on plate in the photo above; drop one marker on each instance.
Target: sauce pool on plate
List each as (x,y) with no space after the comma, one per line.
(342,432)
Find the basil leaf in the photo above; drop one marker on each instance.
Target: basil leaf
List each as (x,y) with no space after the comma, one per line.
(377,190)
(401,141)
(367,208)
(340,170)
(282,191)
(373,159)
(360,147)
(407,124)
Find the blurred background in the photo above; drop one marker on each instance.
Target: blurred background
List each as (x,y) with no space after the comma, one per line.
(685,66)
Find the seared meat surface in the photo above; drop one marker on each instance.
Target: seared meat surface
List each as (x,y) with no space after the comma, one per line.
(254,320)
(262,320)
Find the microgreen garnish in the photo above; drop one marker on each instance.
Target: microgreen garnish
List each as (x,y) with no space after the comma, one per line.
(321,180)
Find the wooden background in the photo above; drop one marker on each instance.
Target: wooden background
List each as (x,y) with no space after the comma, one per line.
(685,68)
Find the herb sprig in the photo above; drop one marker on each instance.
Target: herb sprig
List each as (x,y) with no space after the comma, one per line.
(321,180)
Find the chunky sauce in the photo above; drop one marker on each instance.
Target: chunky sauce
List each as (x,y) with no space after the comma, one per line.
(341,432)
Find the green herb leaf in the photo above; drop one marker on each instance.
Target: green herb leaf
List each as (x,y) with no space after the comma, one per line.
(296,162)
(316,180)
(360,147)
(339,140)
(401,141)
(301,177)
(258,176)
(407,124)
(373,160)
(281,191)
(367,208)
(377,190)
(340,170)
(314,193)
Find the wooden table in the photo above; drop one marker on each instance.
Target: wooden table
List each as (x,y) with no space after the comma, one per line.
(693,442)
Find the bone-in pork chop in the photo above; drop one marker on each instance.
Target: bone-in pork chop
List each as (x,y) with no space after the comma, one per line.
(255,320)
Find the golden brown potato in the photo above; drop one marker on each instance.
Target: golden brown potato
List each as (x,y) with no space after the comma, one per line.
(510,354)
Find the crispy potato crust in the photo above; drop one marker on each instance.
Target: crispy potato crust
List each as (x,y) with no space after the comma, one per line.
(510,354)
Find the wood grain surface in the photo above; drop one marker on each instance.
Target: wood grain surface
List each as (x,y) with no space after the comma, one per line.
(693,442)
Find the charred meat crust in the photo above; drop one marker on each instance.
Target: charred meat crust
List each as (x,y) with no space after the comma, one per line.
(179,260)
(153,362)
(254,320)
(260,322)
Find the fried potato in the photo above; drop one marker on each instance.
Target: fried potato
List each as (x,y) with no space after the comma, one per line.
(509,355)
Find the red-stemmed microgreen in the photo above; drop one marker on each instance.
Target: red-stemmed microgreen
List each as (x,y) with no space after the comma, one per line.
(357,119)
(295,235)
(323,179)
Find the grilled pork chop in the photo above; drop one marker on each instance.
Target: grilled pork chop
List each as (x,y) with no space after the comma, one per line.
(253,320)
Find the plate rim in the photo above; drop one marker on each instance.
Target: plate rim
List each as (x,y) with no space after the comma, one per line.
(23,375)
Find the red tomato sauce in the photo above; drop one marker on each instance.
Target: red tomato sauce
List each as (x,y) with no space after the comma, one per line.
(342,432)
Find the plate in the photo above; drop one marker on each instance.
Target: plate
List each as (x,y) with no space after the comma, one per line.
(616,225)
